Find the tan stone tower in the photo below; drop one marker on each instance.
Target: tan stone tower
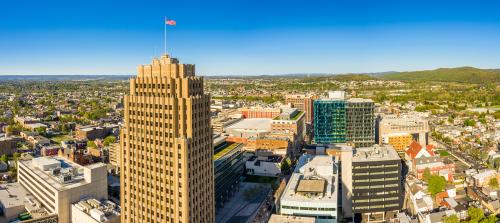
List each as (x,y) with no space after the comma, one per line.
(166,160)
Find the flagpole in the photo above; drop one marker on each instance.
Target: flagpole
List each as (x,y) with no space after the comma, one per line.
(165,36)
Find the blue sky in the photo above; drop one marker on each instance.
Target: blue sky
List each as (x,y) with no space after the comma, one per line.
(243,37)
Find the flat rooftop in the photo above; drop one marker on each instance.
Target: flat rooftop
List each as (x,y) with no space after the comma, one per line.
(226,149)
(375,153)
(313,185)
(12,195)
(275,218)
(101,211)
(261,124)
(36,165)
(359,100)
(315,180)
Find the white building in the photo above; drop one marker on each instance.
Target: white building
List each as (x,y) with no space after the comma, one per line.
(341,95)
(57,183)
(16,204)
(264,165)
(312,189)
(94,211)
(252,127)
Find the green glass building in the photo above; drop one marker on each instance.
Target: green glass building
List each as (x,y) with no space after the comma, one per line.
(340,121)
(330,121)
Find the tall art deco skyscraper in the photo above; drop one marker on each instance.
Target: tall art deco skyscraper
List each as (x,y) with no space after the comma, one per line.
(166,166)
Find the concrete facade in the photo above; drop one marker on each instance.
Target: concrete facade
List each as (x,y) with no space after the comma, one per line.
(56,194)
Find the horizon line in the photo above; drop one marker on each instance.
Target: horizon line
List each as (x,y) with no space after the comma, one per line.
(255,75)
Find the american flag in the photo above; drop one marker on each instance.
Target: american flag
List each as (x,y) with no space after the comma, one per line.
(170,22)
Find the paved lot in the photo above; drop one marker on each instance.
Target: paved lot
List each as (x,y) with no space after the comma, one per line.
(239,209)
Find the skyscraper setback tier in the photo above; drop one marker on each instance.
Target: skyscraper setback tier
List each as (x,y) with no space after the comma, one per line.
(166,166)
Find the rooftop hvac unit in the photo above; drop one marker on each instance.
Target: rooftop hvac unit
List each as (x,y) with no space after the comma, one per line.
(97,214)
(74,171)
(56,171)
(85,206)
(65,178)
(94,203)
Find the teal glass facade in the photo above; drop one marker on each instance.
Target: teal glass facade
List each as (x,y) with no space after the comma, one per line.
(340,121)
(330,121)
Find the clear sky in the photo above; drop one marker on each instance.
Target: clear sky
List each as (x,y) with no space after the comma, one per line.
(251,37)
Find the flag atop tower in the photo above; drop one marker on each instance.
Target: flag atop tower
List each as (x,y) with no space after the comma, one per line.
(170,22)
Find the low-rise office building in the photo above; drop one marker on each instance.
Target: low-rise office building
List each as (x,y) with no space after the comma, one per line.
(258,112)
(57,183)
(276,145)
(312,189)
(264,164)
(248,128)
(92,132)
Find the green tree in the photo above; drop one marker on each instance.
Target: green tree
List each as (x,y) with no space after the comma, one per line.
(493,183)
(41,130)
(427,174)
(286,165)
(91,144)
(469,122)
(475,214)
(436,184)
(13,129)
(109,140)
(490,219)
(4,158)
(16,155)
(451,219)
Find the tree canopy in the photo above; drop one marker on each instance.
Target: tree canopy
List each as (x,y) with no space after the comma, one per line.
(91,144)
(427,174)
(451,219)
(109,140)
(4,158)
(436,184)
(493,183)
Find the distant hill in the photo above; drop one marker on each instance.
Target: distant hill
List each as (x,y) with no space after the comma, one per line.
(352,77)
(62,77)
(459,74)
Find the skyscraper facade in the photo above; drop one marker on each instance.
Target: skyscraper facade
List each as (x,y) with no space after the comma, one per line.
(166,157)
